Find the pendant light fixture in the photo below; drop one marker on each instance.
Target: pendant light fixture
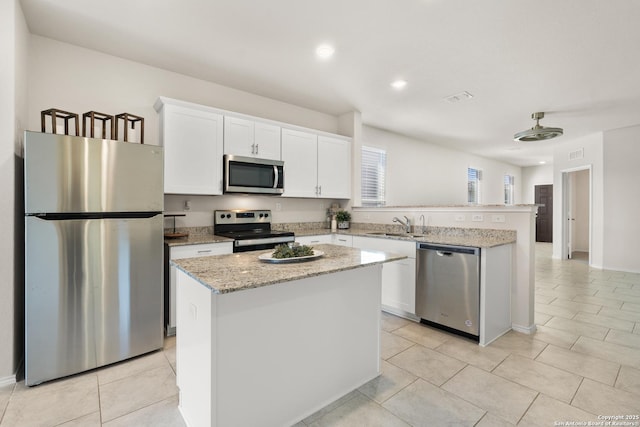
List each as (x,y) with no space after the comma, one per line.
(537,133)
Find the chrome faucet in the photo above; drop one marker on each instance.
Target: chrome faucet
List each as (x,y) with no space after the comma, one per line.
(406,223)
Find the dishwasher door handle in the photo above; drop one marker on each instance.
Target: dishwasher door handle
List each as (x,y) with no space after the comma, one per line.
(443,253)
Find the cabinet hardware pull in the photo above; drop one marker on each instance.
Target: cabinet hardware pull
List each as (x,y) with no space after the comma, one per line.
(204,251)
(257,149)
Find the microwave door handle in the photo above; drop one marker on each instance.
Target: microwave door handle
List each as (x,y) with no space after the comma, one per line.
(276,176)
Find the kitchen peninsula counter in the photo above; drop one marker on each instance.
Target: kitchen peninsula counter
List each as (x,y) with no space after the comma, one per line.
(284,340)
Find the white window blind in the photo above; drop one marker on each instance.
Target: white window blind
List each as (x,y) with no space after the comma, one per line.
(374,166)
(508,189)
(473,185)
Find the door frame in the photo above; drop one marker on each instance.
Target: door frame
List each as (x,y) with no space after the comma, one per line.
(566,195)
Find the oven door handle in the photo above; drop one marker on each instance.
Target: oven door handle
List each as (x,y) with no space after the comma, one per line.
(265,240)
(276,176)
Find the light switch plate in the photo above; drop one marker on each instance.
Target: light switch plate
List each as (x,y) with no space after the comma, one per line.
(477,217)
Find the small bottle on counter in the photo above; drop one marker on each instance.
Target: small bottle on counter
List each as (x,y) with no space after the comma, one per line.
(334,224)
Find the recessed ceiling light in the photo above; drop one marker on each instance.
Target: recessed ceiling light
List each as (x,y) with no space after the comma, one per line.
(325,51)
(542,162)
(398,84)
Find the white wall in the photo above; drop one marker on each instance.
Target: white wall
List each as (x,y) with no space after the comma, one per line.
(593,151)
(421,173)
(79,80)
(621,201)
(13,45)
(532,176)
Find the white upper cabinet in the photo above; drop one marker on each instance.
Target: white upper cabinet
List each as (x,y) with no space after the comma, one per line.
(267,139)
(316,166)
(195,138)
(249,138)
(192,141)
(334,168)
(300,156)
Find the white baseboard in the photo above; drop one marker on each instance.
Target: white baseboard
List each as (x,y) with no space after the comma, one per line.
(10,380)
(529,330)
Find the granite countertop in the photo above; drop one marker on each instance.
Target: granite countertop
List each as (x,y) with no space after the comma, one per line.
(474,237)
(245,271)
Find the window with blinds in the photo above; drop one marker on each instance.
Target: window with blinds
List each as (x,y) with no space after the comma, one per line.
(374,166)
(508,189)
(473,185)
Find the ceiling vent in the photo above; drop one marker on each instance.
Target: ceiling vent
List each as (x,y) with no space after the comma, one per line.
(462,96)
(537,133)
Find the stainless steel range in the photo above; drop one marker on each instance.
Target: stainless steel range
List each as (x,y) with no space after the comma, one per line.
(250,230)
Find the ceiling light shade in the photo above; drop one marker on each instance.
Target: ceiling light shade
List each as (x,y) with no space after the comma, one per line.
(325,51)
(537,133)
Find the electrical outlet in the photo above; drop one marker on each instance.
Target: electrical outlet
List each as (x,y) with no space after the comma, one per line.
(497,218)
(278,207)
(460,218)
(187,205)
(477,217)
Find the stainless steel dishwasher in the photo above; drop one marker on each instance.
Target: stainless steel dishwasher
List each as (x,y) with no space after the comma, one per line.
(448,287)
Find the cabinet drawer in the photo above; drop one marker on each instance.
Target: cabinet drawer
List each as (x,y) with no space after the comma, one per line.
(342,240)
(207,249)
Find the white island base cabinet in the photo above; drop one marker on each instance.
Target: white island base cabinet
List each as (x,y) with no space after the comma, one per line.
(273,355)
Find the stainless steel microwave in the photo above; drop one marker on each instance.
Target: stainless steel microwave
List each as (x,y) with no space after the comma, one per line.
(251,175)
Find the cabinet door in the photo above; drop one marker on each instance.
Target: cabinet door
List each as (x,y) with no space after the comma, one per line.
(334,168)
(300,156)
(238,136)
(399,284)
(192,141)
(267,140)
(189,251)
(398,277)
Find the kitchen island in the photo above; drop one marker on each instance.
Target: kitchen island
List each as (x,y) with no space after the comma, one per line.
(264,344)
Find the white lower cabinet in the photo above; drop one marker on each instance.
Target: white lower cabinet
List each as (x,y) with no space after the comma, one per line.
(398,277)
(189,251)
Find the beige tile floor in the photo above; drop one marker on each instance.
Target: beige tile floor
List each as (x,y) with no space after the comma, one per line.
(583,361)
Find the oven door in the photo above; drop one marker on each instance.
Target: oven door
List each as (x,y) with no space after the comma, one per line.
(251,175)
(245,245)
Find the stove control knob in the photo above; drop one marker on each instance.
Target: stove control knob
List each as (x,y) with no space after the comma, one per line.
(261,215)
(228,216)
(222,216)
(266,215)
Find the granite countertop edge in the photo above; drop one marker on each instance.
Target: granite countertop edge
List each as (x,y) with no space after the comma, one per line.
(482,238)
(458,240)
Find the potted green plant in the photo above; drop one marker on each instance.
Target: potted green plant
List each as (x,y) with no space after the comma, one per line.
(343,218)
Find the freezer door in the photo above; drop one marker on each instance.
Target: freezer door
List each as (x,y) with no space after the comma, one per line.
(93,293)
(73,174)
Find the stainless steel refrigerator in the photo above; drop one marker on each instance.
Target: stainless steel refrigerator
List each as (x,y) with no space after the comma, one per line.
(93,253)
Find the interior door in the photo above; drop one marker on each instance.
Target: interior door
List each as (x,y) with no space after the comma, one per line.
(544,219)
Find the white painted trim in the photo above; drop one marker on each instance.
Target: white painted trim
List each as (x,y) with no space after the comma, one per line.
(4,381)
(400,313)
(529,330)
